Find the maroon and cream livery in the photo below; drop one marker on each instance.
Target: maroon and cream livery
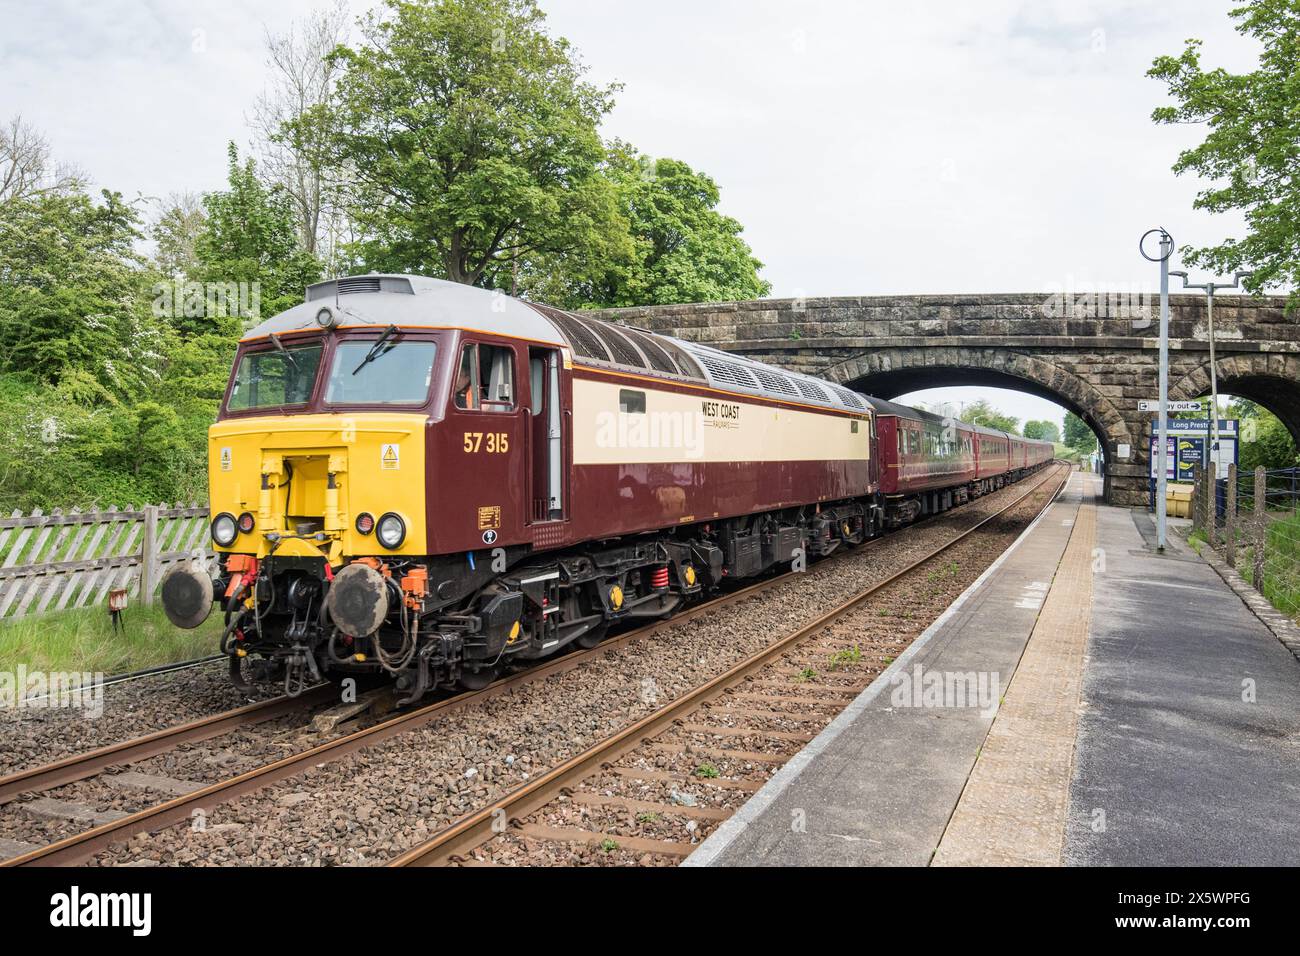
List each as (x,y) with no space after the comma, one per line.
(540,475)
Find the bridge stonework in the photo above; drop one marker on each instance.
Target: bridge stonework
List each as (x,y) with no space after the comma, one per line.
(1086,355)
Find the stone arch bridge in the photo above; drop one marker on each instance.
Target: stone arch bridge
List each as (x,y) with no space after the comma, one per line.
(1089,355)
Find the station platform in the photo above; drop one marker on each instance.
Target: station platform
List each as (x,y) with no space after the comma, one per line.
(1142,715)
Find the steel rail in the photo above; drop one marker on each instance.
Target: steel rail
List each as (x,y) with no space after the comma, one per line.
(478,828)
(80,766)
(79,847)
(157,670)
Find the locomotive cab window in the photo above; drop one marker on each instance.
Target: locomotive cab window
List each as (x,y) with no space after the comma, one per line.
(631,402)
(273,378)
(485,378)
(381,372)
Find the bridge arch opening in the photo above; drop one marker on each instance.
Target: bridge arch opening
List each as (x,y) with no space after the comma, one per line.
(1271,381)
(893,373)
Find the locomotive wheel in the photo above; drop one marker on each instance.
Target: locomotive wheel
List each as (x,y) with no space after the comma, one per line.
(593,637)
(470,680)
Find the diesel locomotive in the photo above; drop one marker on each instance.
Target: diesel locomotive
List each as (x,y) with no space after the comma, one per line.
(434,483)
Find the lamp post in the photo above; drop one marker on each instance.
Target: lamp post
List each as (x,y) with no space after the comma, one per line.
(1162,452)
(1210,288)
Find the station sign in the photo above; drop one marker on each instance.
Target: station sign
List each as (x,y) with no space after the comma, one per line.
(1187,441)
(1153,405)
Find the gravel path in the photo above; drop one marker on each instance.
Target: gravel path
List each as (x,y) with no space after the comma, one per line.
(372,805)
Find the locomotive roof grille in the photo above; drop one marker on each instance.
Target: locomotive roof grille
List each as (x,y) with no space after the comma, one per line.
(728,372)
(728,369)
(583,340)
(659,358)
(621,347)
(775,382)
(810,390)
(357,285)
(851,399)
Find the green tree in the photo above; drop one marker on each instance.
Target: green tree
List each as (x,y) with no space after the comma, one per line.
(100,400)
(983,413)
(472,140)
(1043,431)
(250,236)
(1078,435)
(74,295)
(681,248)
(175,232)
(1252,148)
(1264,439)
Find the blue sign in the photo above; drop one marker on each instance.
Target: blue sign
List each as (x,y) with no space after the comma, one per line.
(1186,447)
(1200,426)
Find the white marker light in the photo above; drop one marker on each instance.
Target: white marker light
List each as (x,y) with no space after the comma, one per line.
(224,529)
(391,531)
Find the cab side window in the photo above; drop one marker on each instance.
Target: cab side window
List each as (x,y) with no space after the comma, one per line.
(485,379)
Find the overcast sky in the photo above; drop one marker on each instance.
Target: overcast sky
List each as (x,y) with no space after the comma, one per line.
(867,147)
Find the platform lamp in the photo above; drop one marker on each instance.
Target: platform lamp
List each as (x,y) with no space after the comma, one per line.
(1162,452)
(1210,288)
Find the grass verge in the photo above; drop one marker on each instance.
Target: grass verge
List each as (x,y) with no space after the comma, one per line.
(83,640)
(1281,583)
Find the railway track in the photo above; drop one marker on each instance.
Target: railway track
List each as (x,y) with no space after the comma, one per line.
(159,670)
(80,847)
(83,766)
(568,787)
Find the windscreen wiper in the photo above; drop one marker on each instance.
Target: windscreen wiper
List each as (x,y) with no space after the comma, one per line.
(275,340)
(377,349)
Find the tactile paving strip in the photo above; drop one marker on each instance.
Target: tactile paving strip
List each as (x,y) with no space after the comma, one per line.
(1012,810)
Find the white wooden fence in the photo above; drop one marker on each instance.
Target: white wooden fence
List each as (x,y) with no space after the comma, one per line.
(73,559)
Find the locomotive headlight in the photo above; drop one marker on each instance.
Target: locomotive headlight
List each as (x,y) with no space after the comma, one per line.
(325,318)
(391,531)
(224,529)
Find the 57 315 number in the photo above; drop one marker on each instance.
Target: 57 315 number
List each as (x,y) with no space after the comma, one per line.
(494,443)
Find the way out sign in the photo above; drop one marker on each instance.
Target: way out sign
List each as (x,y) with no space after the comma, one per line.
(1153,405)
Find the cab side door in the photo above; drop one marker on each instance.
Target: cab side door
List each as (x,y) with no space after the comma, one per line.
(486,499)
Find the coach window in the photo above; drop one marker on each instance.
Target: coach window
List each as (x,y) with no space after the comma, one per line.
(631,402)
(485,378)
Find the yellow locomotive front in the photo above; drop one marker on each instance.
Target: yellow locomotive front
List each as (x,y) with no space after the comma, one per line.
(316,465)
(321,477)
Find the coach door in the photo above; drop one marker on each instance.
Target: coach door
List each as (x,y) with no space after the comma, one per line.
(546,435)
